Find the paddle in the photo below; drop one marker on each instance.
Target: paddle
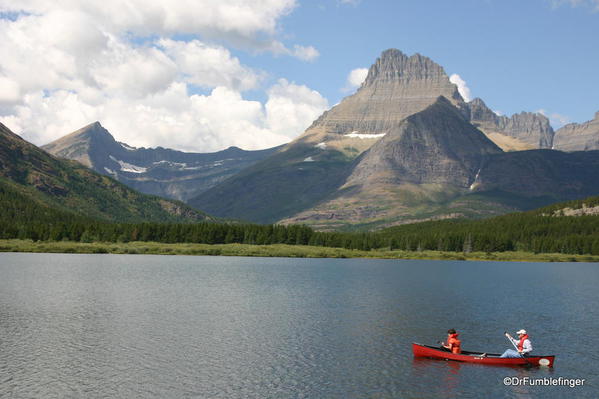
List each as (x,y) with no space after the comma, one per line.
(509,337)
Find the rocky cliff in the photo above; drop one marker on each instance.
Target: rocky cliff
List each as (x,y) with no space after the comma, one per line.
(578,137)
(396,86)
(526,130)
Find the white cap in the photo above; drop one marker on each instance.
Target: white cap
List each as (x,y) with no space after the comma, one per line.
(523,331)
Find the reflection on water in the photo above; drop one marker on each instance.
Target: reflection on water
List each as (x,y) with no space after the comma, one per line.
(155,326)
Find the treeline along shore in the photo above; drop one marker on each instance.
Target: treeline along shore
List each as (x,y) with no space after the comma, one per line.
(545,230)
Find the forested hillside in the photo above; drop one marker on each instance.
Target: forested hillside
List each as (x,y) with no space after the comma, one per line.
(67,186)
(541,231)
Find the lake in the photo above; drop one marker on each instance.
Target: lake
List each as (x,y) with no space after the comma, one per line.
(232,327)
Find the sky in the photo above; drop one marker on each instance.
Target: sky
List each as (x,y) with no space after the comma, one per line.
(204,75)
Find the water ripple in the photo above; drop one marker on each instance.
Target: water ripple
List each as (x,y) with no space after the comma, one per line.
(105,326)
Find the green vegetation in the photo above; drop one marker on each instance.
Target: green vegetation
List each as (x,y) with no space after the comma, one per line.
(35,176)
(515,236)
(274,250)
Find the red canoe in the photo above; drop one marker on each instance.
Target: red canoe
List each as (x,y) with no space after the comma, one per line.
(434,352)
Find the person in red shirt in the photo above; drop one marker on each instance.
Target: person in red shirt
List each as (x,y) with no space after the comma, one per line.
(453,343)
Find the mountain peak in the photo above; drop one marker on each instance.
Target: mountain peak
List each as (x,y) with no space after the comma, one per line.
(94,128)
(478,102)
(441,104)
(434,146)
(76,144)
(393,65)
(396,87)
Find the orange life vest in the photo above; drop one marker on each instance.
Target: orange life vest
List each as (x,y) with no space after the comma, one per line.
(454,343)
(521,342)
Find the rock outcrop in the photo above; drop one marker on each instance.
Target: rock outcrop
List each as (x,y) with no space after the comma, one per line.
(158,171)
(523,131)
(578,137)
(396,86)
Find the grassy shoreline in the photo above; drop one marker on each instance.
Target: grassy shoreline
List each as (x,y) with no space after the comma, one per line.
(275,250)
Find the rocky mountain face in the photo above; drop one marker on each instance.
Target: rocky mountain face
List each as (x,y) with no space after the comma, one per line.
(314,165)
(406,148)
(523,131)
(437,165)
(578,137)
(429,157)
(396,86)
(434,146)
(158,171)
(67,186)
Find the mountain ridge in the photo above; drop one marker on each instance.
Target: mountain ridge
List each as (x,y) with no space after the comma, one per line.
(381,179)
(521,131)
(157,171)
(322,156)
(70,187)
(578,136)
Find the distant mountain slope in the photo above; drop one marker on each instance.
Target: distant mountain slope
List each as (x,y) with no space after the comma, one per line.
(158,171)
(428,159)
(578,137)
(67,186)
(436,165)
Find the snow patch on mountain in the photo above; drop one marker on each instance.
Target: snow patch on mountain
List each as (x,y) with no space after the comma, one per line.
(355,134)
(127,167)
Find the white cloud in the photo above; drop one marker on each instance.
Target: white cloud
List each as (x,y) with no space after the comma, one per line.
(73,62)
(10,91)
(556,120)
(171,118)
(292,108)
(209,66)
(133,72)
(462,86)
(355,78)
(165,17)
(305,53)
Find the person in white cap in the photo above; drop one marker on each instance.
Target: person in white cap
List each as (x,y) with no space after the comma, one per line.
(522,343)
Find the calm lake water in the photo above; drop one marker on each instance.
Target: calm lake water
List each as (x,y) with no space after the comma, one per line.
(224,327)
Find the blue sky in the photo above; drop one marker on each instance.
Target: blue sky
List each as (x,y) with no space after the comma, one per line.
(205,75)
(515,55)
